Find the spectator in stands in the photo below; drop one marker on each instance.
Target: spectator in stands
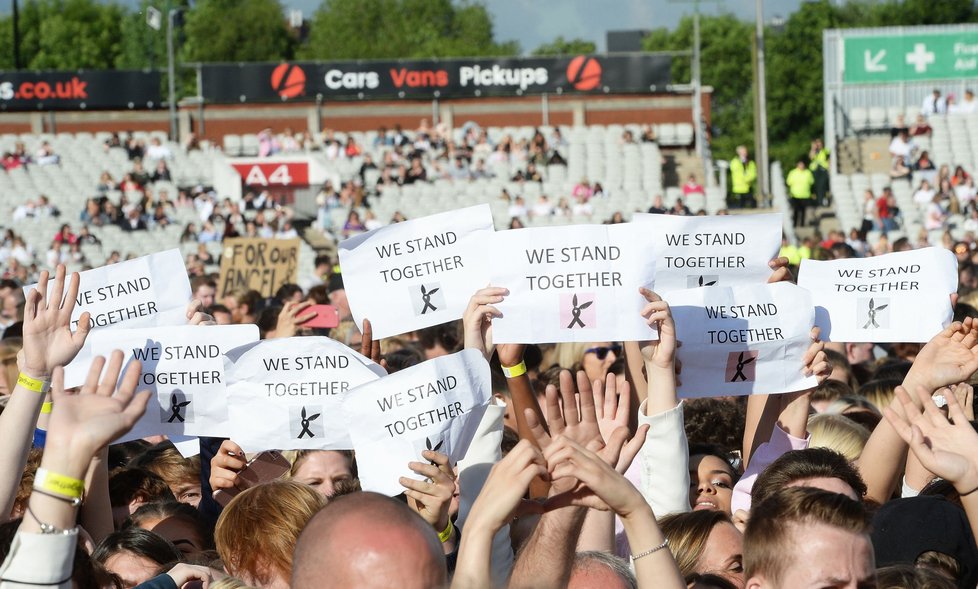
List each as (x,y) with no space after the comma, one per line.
(627,138)
(582,190)
(286,231)
(288,141)
(28,210)
(967,106)
(658,207)
(45,209)
(648,134)
(398,217)
(353,225)
(191,143)
(158,151)
(85,237)
(352,148)
(516,223)
(598,191)
(161,173)
(920,128)
(900,125)
(563,208)
(800,181)
(692,186)
(871,219)
(924,164)
(64,236)
(518,208)
(902,148)
(417,172)
(966,194)
(160,218)
(268,143)
(582,207)
(45,155)
(105,183)
(542,208)
(11,161)
(933,104)
(743,173)
(139,174)
(134,147)
(936,216)
(924,194)
(899,170)
(479,171)
(134,221)
(460,170)
(678,208)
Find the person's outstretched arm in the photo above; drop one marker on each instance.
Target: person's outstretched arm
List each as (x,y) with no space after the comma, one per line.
(599,486)
(81,424)
(944,445)
(949,358)
(48,342)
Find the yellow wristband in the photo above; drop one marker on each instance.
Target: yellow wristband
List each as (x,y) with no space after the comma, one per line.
(514,371)
(32,384)
(444,536)
(59,484)
(46,407)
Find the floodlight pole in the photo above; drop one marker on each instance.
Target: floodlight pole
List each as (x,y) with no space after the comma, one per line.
(763,173)
(170,73)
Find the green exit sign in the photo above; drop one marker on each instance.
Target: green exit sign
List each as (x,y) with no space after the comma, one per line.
(911,58)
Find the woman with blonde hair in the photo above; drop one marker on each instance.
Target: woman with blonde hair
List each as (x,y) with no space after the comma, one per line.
(705,542)
(594,358)
(257,531)
(838,433)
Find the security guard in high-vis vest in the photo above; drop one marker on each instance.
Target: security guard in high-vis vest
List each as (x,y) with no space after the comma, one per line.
(743,173)
(800,181)
(819,165)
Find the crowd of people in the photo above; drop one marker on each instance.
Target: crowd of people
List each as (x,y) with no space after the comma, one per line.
(588,470)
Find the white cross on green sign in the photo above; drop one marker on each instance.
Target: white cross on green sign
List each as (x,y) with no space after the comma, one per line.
(911,58)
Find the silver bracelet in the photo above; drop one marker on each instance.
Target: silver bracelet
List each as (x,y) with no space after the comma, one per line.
(47,528)
(664,544)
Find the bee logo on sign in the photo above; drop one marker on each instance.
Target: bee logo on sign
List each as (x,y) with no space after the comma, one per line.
(577,312)
(427,298)
(306,423)
(697,280)
(177,408)
(871,315)
(741,366)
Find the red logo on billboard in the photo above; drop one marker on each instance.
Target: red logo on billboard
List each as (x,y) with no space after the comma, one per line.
(274,174)
(288,80)
(584,73)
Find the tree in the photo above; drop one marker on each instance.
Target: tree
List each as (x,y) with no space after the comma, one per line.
(392,29)
(725,45)
(141,46)
(236,30)
(561,46)
(64,34)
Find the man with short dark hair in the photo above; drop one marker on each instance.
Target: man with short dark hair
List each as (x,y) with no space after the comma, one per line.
(205,290)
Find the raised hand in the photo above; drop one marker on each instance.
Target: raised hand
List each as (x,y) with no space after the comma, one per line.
(83,423)
(945,447)
(370,347)
(815,362)
(596,484)
(225,466)
(196,315)
(660,353)
(780,271)
(48,339)
(612,405)
(291,318)
(477,319)
(563,415)
(949,358)
(431,498)
(504,489)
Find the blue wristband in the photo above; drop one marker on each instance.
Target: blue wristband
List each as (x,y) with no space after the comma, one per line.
(40,436)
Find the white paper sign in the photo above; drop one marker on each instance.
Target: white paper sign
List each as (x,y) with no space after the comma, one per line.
(573,283)
(722,250)
(434,405)
(287,393)
(148,291)
(898,297)
(182,371)
(743,340)
(418,273)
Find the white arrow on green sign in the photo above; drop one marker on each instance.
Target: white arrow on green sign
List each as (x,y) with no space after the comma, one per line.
(910,58)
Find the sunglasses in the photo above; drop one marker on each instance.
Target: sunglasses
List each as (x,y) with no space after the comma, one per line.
(602,351)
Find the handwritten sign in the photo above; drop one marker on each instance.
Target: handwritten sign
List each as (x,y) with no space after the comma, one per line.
(149,291)
(898,297)
(286,393)
(254,263)
(723,250)
(182,371)
(435,405)
(419,273)
(743,339)
(573,284)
